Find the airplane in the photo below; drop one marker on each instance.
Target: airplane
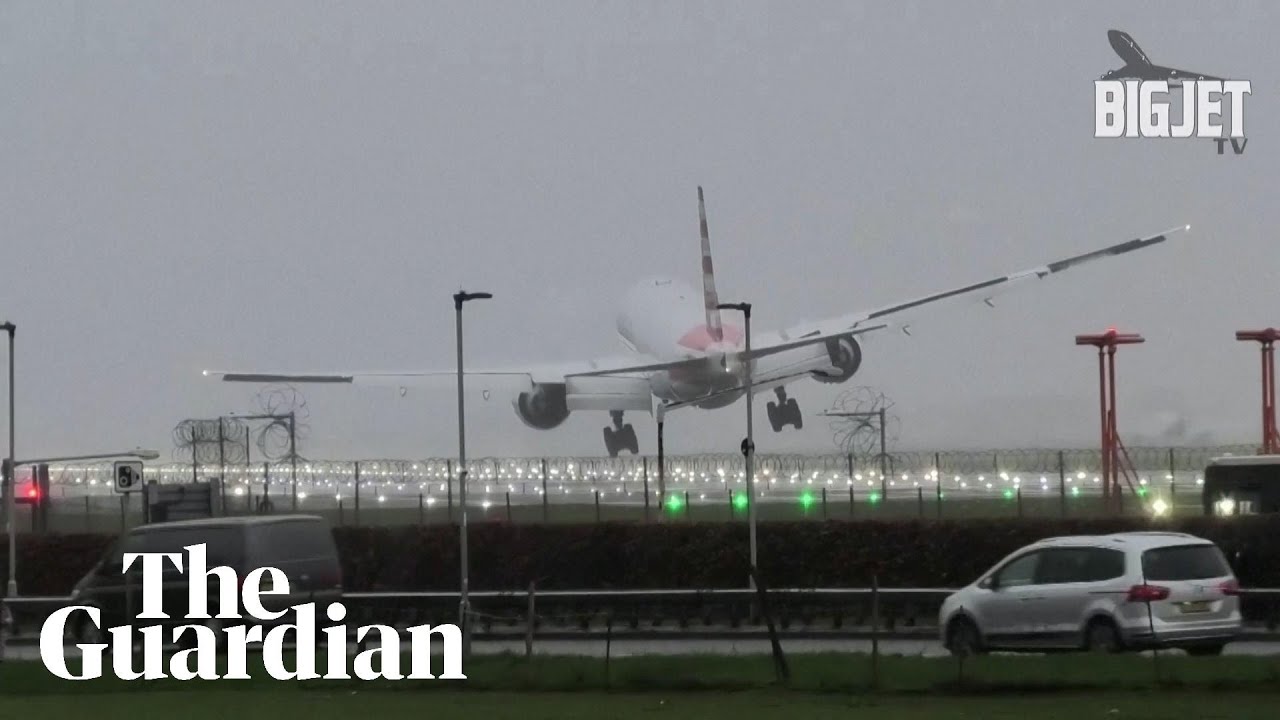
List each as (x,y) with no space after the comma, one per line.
(1138,67)
(683,354)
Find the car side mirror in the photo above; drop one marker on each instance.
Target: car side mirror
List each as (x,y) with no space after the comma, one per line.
(990,583)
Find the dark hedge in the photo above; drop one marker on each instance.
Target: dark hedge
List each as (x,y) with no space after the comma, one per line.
(687,555)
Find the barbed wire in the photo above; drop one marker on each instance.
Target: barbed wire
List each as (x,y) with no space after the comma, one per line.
(225,441)
(211,440)
(858,433)
(281,402)
(1001,466)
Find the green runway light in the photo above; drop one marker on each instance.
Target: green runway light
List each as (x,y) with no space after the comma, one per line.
(1008,494)
(806,499)
(1142,491)
(1075,492)
(675,503)
(873,498)
(740,501)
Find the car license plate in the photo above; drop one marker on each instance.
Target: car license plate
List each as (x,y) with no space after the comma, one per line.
(1195,607)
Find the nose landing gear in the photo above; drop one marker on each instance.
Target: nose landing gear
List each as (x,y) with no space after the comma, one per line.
(784,412)
(620,437)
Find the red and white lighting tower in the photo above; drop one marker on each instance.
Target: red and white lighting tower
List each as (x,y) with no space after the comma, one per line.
(1112,448)
(1267,338)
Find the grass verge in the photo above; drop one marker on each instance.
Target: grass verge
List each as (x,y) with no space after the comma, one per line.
(334,704)
(810,673)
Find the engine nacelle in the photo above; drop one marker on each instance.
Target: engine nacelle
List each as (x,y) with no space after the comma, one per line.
(544,407)
(846,358)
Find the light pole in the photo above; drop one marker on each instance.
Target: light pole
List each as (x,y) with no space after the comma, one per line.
(138,453)
(464,605)
(748,445)
(10,490)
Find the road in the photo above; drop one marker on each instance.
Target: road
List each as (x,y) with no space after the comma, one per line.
(625,648)
(674,646)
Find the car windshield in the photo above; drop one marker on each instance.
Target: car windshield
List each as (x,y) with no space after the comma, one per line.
(293,540)
(1184,562)
(223,545)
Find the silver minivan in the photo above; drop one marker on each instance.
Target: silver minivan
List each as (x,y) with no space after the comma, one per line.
(1107,593)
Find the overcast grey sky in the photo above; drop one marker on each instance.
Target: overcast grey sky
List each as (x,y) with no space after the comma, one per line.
(302,185)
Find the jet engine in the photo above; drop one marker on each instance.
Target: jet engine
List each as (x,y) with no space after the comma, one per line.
(544,407)
(846,358)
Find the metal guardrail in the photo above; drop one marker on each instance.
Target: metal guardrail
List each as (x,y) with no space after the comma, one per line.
(812,612)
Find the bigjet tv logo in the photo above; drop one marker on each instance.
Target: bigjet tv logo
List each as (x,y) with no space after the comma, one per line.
(382,659)
(1138,100)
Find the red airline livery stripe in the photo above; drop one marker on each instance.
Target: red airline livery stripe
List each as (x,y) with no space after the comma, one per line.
(701,338)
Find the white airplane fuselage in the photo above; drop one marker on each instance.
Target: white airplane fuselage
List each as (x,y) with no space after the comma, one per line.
(665,319)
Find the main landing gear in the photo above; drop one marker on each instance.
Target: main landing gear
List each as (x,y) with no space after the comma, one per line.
(784,412)
(620,437)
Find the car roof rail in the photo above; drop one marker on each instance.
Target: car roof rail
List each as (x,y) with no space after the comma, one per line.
(1067,538)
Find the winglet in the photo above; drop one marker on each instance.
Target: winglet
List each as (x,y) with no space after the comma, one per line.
(1118,249)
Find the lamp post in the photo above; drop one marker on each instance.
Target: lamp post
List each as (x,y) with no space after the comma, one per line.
(138,454)
(464,605)
(748,445)
(10,490)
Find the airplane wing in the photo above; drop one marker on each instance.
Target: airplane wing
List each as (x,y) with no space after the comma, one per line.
(409,378)
(615,367)
(900,313)
(1181,75)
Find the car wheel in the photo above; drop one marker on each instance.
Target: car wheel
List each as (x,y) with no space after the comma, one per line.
(190,638)
(963,639)
(1102,637)
(1205,650)
(86,633)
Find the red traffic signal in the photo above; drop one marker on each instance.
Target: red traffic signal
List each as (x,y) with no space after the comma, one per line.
(28,493)
(33,489)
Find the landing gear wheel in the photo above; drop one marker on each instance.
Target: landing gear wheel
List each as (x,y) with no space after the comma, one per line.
(620,437)
(626,439)
(786,411)
(778,410)
(793,414)
(774,420)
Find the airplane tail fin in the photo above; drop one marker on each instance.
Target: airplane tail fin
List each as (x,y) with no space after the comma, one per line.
(709,297)
(1127,48)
